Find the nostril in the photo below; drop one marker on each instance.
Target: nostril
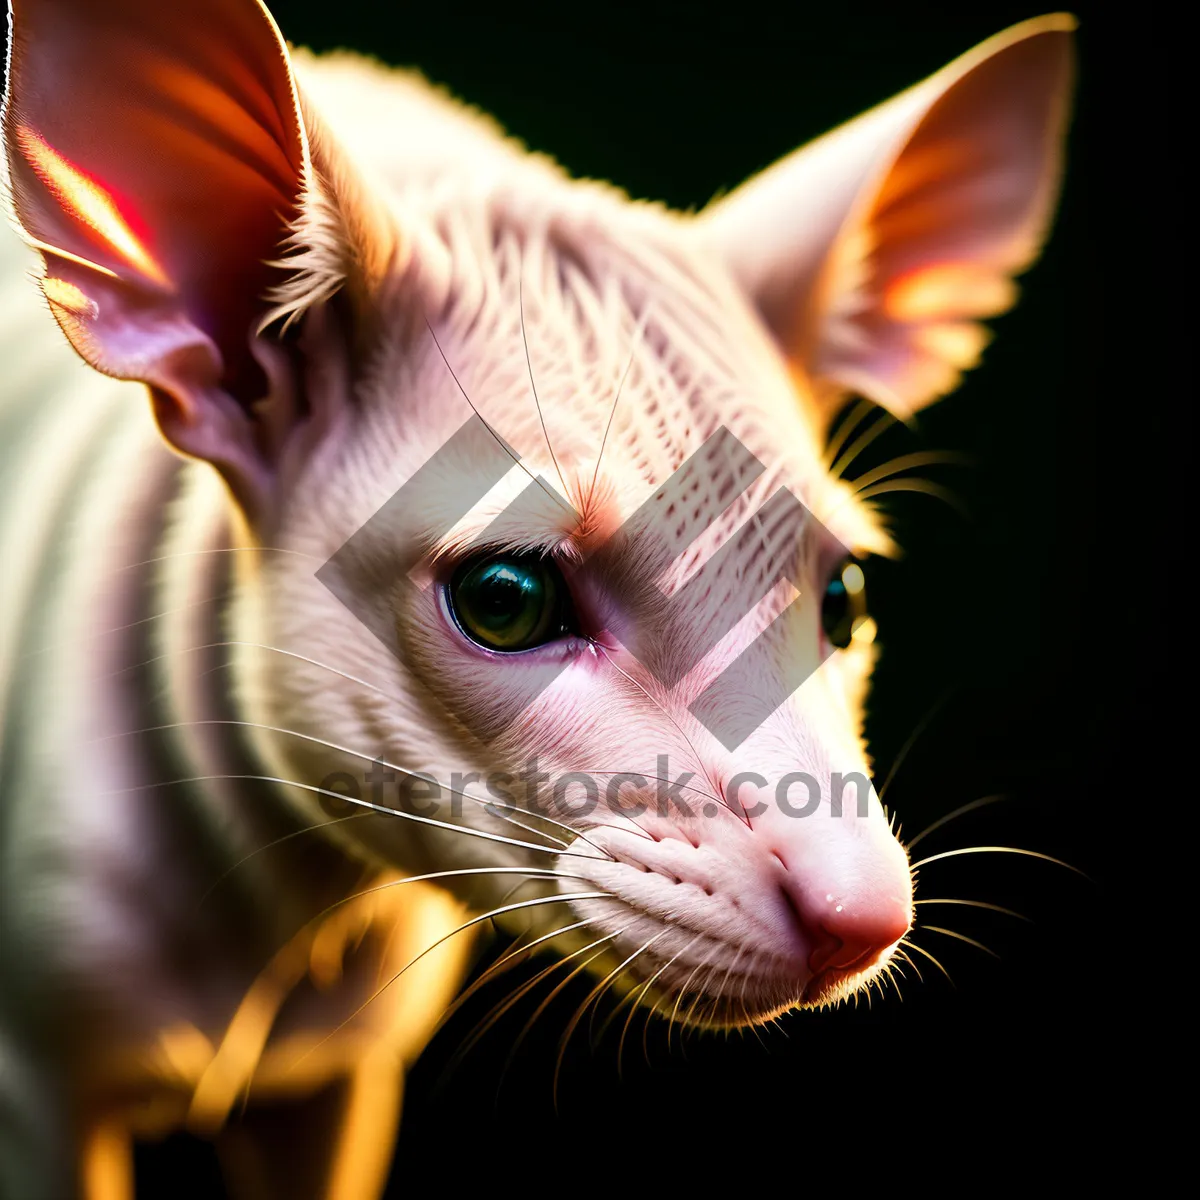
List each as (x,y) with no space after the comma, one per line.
(855,941)
(842,935)
(831,952)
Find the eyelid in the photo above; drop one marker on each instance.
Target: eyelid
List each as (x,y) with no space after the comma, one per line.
(446,561)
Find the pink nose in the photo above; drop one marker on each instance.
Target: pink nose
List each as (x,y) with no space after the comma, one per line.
(847,940)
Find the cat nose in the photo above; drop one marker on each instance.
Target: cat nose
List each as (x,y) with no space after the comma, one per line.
(848,937)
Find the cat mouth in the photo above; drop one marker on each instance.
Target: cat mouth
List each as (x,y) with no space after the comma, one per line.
(690,976)
(725,963)
(701,945)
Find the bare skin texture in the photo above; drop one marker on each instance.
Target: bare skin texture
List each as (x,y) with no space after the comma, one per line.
(316,271)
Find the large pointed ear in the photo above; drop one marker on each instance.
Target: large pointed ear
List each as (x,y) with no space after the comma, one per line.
(157,157)
(873,253)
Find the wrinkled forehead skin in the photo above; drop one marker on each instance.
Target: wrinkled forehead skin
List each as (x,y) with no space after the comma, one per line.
(632,417)
(589,324)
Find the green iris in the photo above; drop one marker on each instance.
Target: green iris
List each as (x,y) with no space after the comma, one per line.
(508,603)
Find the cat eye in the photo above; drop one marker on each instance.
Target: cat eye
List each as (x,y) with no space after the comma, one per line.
(510,602)
(844,605)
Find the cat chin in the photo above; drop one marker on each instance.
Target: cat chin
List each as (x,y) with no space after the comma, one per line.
(714,984)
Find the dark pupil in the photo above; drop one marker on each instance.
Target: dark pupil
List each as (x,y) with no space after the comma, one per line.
(836,614)
(502,594)
(504,604)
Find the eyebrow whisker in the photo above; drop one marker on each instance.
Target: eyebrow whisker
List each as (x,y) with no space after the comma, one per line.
(533,386)
(487,424)
(638,334)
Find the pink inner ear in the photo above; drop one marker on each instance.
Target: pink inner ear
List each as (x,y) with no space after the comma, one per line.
(963,207)
(162,143)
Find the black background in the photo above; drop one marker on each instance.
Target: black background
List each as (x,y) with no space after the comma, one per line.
(1042,621)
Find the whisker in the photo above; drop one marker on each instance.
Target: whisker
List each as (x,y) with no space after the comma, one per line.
(859,413)
(592,1037)
(533,386)
(925,953)
(638,998)
(508,894)
(498,1010)
(746,1011)
(495,912)
(906,462)
(679,998)
(962,937)
(525,949)
(899,953)
(1058,862)
(686,787)
(466,830)
(312,662)
(316,920)
(879,426)
(637,337)
(721,989)
(499,440)
(687,1017)
(911,741)
(1008,912)
(532,872)
(646,1023)
(287,837)
(922,486)
(497,811)
(95,635)
(595,993)
(489,806)
(890,973)
(663,709)
(556,992)
(951,816)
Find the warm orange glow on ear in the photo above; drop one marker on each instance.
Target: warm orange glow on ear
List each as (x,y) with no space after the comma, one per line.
(66,295)
(87,202)
(949,289)
(960,344)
